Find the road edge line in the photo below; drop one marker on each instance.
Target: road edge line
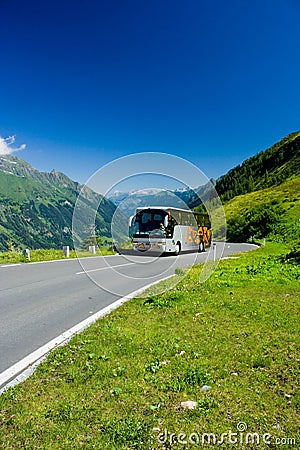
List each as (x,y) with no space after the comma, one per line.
(21,370)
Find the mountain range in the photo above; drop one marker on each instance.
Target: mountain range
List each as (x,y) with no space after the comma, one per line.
(36,208)
(268,168)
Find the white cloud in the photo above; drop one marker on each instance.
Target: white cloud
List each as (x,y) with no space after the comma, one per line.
(6,146)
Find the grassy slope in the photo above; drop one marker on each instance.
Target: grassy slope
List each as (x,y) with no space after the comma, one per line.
(19,189)
(49,255)
(287,198)
(111,385)
(287,193)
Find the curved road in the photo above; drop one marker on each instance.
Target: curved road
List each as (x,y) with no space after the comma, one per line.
(39,301)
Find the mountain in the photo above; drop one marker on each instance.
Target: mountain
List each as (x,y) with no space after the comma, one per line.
(193,197)
(180,198)
(36,208)
(261,197)
(268,168)
(119,197)
(127,202)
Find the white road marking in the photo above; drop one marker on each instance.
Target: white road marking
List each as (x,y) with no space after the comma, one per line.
(69,259)
(26,366)
(104,268)
(11,265)
(55,260)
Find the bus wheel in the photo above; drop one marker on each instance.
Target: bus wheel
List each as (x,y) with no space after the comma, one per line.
(201,247)
(177,249)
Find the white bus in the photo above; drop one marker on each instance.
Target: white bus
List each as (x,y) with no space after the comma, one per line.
(170,230)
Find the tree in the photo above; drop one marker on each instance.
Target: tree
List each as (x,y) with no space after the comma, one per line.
(257,223)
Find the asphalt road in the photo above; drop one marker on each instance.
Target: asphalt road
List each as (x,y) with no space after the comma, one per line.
(39,301)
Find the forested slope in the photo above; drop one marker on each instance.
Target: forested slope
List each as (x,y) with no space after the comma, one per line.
(268,168)
(36,208)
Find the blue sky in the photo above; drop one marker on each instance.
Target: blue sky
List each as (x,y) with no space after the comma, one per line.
(85,82)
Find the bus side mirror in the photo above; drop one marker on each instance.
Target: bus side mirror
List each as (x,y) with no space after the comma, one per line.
(131,221)
(166,221)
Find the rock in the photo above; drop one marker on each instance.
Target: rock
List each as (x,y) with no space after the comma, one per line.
(189,404)
(205,388)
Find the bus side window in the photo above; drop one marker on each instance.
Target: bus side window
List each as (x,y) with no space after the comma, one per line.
(146,218)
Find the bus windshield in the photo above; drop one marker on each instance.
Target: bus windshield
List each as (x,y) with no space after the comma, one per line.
(150,220)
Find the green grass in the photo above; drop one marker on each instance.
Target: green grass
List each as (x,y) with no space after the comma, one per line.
(284,198)
(19,188)
(287,194)
(128,373)
(48,255)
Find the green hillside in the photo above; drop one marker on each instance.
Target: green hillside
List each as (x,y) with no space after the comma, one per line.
(273,213)
(268,168)
(261,197)
(36,208)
